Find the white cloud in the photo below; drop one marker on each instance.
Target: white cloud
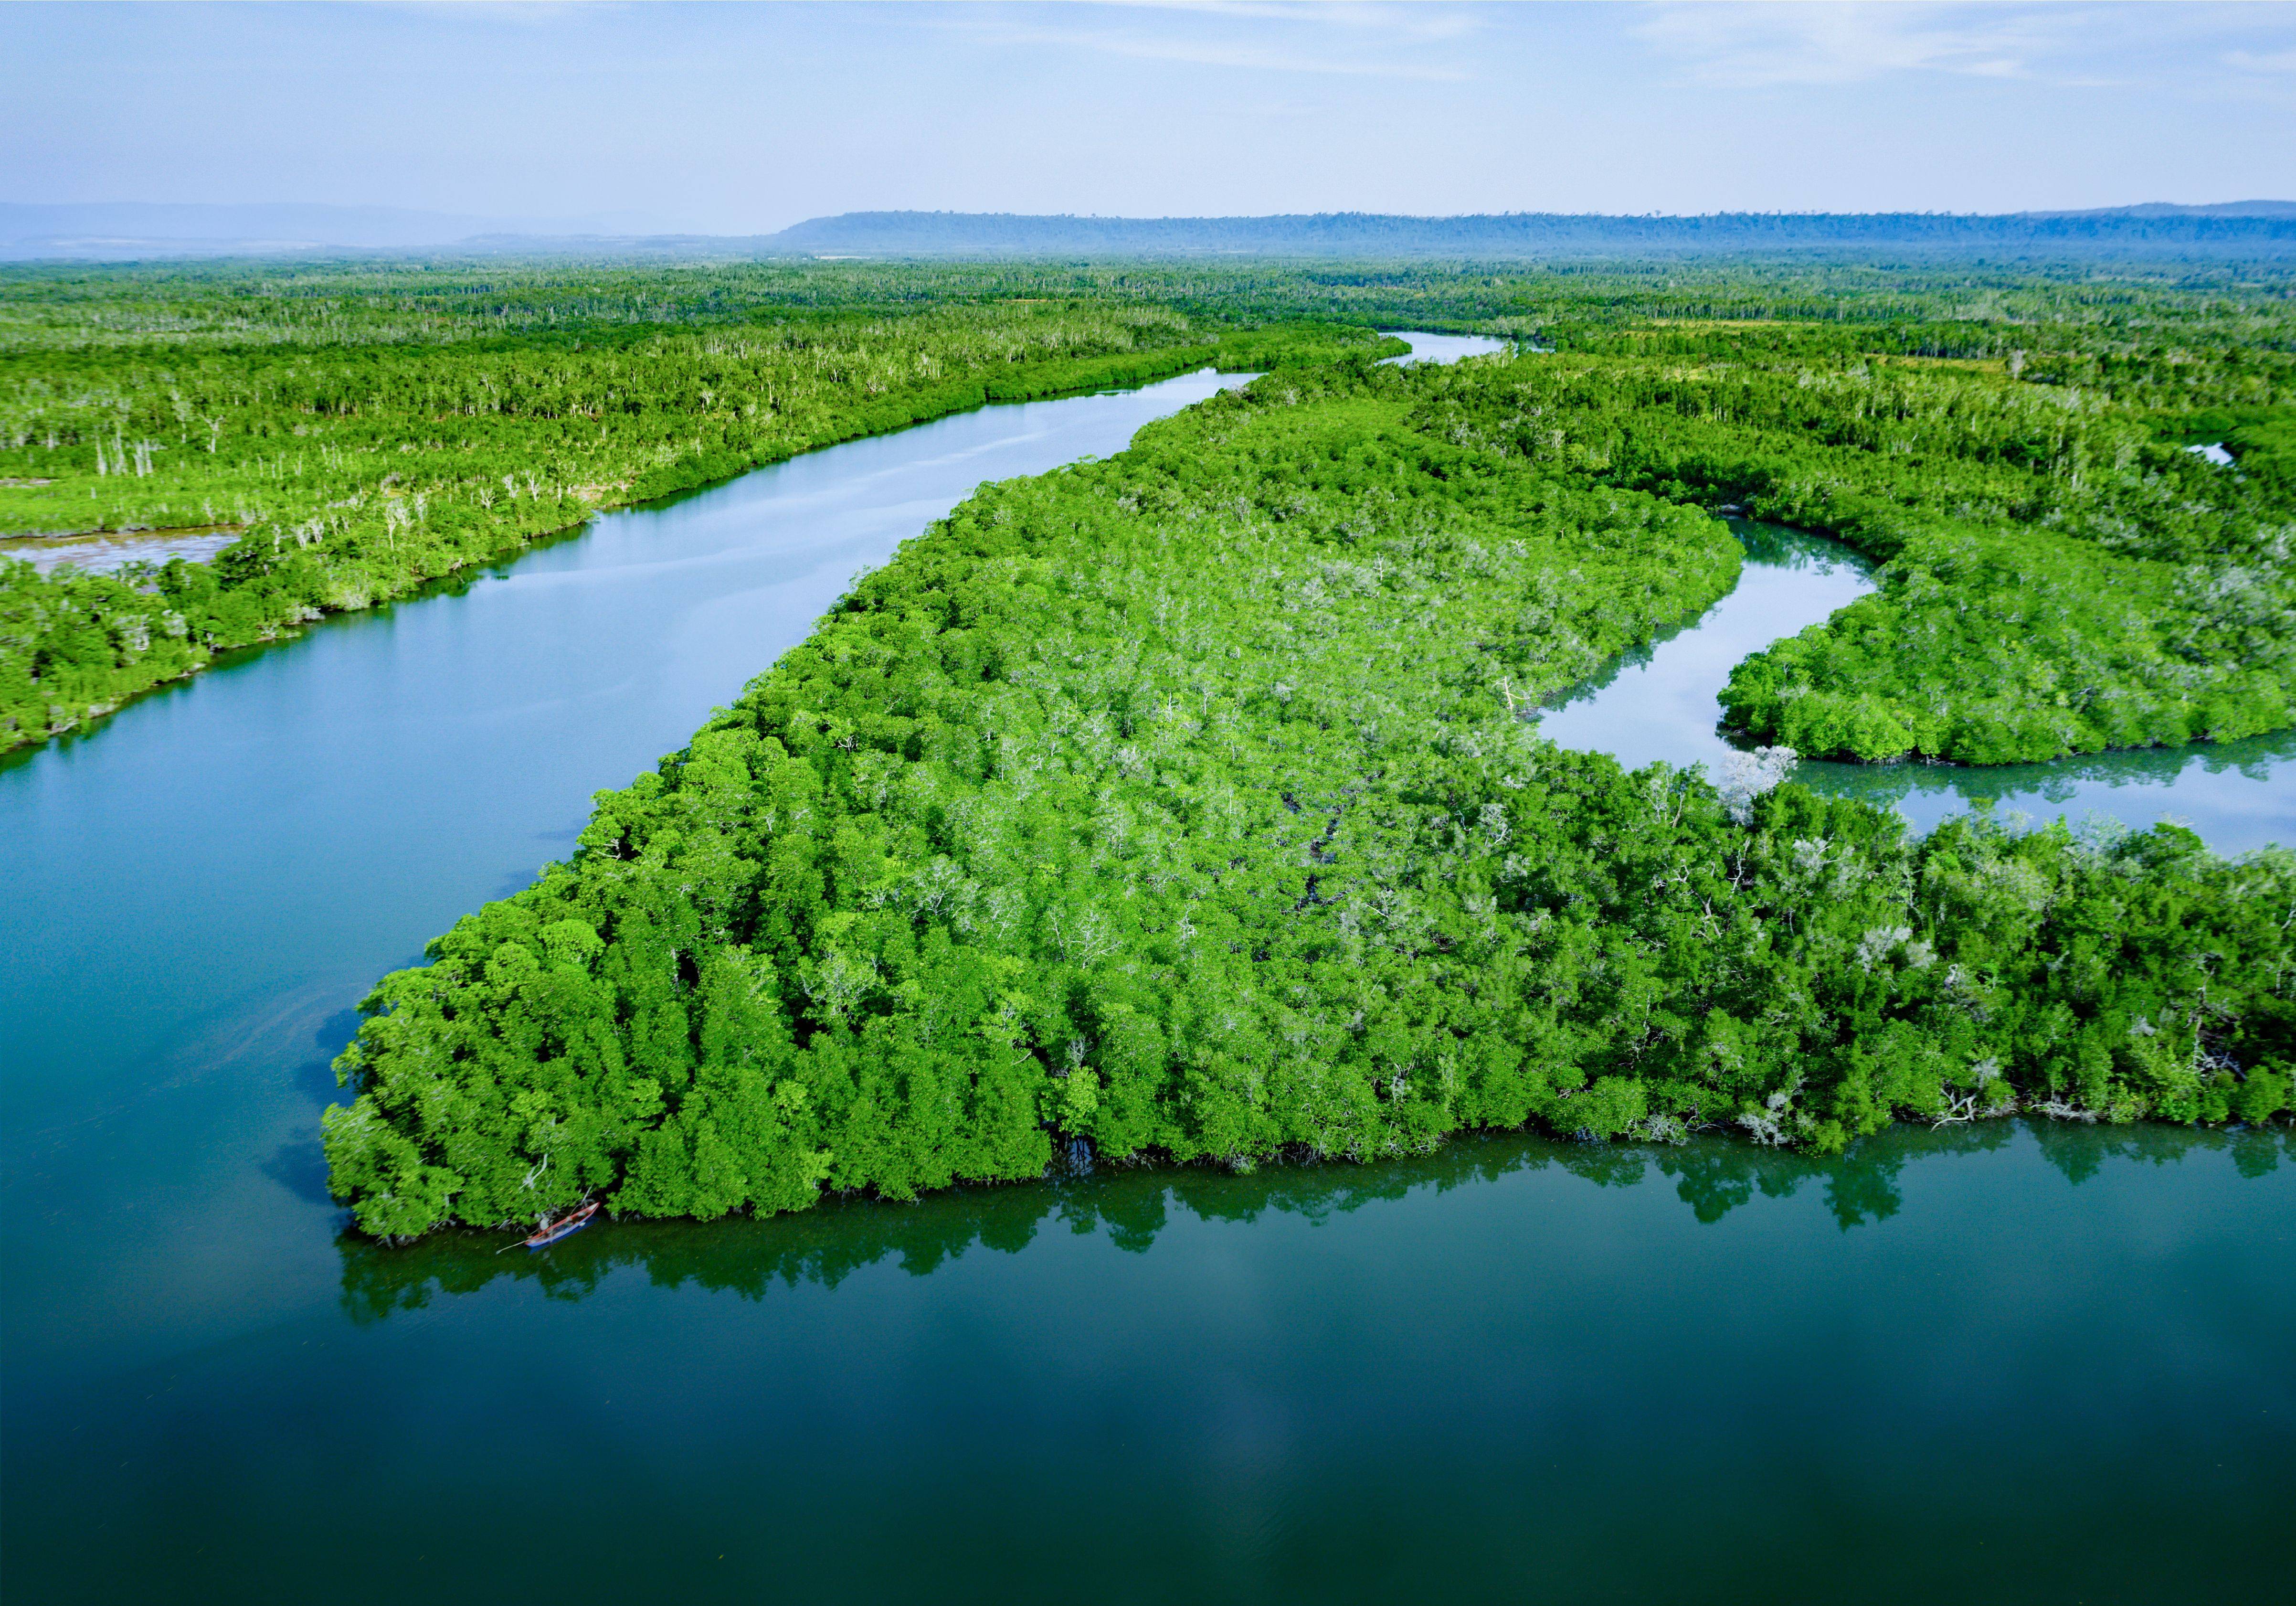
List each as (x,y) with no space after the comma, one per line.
(1757,45)
(1407,21)
(2180,47)
(1346,40)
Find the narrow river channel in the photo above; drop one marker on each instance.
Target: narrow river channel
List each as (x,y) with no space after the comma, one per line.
(2029,1363)
(1659,704)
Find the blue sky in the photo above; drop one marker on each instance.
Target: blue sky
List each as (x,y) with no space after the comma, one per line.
(735,119)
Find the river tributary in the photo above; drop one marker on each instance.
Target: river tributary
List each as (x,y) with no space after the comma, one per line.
(2029,1363)
(1659,703)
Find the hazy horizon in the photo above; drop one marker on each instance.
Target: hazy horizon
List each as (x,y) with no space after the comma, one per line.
(745,120)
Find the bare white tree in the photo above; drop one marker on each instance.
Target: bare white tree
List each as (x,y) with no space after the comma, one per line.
(1746,776)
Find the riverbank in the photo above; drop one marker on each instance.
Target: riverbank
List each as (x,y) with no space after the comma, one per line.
(96,642)
(1715,1174)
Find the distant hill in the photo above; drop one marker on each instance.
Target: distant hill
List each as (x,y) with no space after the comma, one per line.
(2240,227)
(2164,209)
(133,230)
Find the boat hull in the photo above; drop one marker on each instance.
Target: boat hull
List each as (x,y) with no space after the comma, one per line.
(565,1229)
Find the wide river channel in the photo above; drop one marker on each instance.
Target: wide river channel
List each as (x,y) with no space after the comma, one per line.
(2016,1363)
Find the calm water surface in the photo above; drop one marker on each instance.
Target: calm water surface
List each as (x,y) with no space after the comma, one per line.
(2016,1363)
(1660,703)
(1444,347)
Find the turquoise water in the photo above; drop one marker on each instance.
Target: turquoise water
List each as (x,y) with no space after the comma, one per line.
(2032,1363)
(2015,1364)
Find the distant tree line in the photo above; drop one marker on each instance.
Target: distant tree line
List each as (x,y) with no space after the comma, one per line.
(2268,233)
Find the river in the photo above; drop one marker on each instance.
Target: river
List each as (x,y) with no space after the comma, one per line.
(2025,1362)
(1658,702)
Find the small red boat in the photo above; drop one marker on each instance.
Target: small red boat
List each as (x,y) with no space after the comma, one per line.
(572,1223)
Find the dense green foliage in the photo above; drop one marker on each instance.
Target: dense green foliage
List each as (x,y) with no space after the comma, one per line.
(2261,441)
(2057,580)
(365,453)
(1184,804)
(2167,335)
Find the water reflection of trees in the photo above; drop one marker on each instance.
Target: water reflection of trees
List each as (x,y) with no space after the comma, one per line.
(2254,758)
(1712,1175)
(1784,547)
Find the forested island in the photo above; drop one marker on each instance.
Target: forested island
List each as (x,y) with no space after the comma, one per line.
(1189,805)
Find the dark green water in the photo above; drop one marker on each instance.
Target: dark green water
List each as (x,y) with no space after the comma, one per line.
(2040,1364)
